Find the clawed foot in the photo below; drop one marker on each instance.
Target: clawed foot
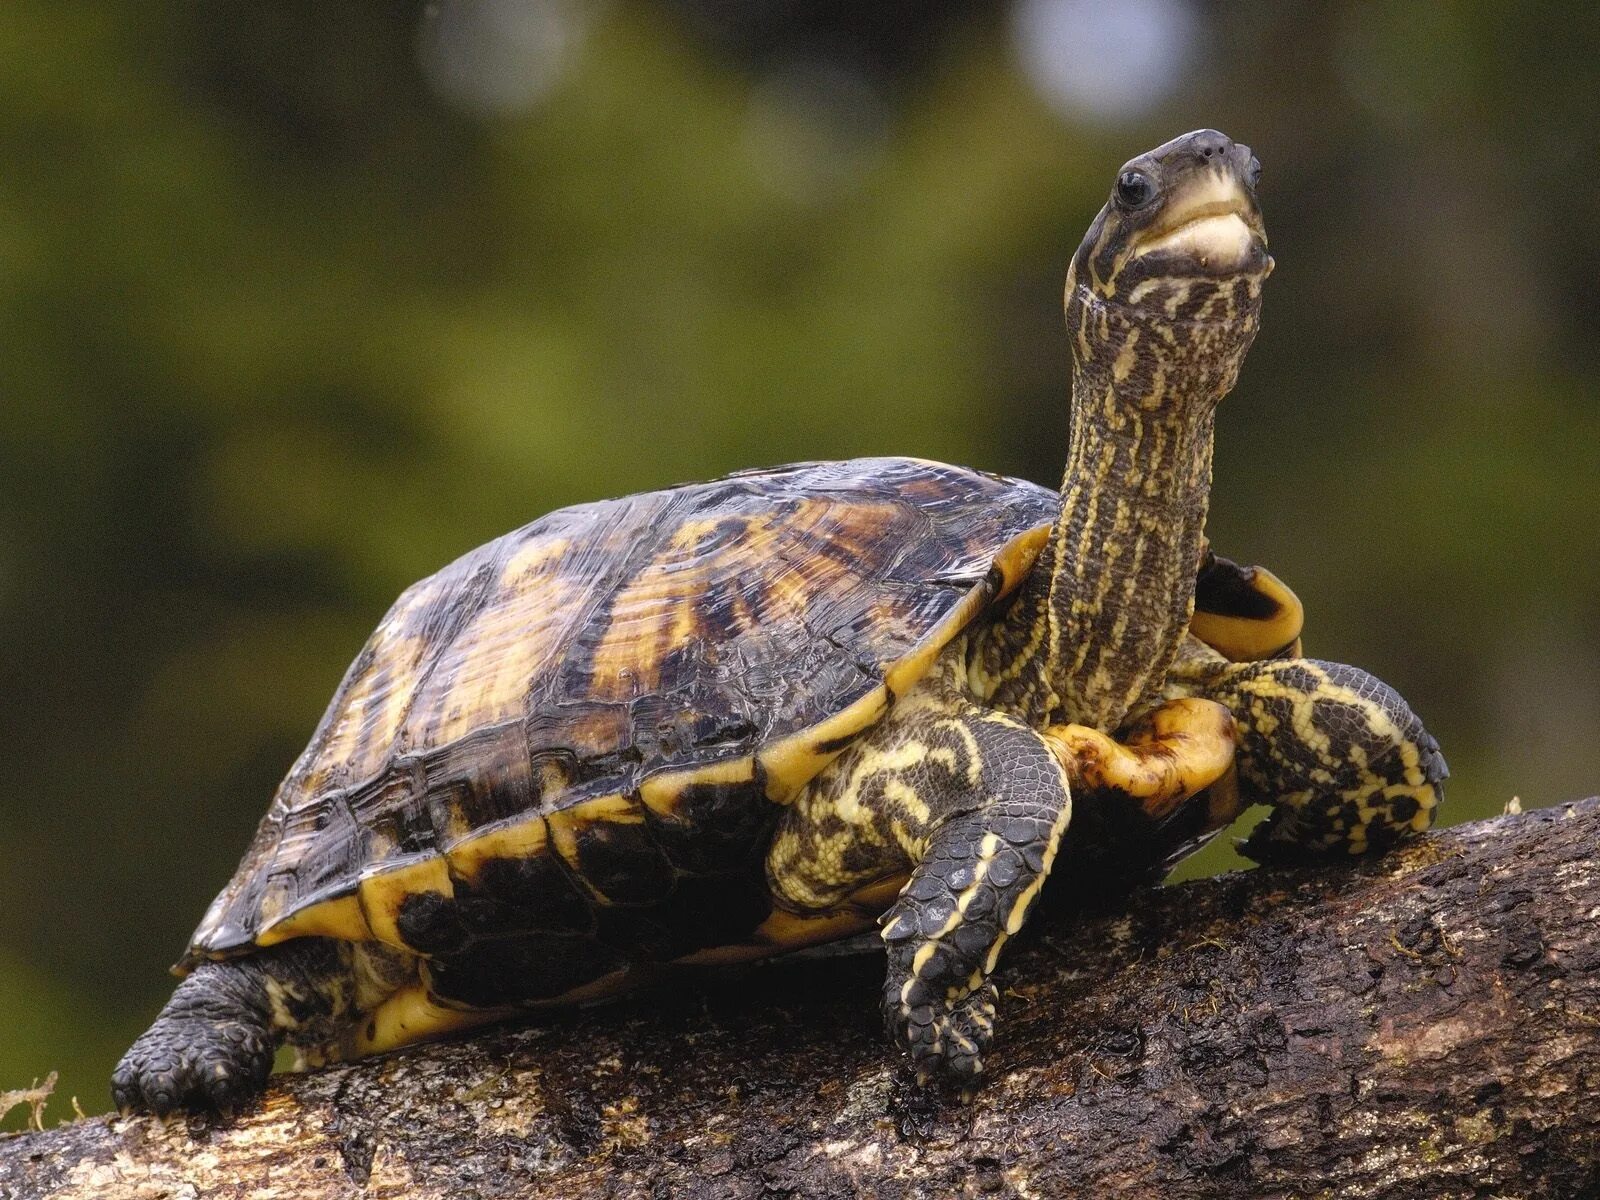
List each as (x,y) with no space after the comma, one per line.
(945,932)
(945,1038)
(1340,755)
(193,1063)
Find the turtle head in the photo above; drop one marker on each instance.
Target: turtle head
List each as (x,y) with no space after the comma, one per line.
(1179,252)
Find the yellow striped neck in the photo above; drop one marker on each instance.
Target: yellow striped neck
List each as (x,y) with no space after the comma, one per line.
(1098,622)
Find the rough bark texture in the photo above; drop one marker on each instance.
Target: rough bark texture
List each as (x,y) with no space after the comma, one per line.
(1423,1026)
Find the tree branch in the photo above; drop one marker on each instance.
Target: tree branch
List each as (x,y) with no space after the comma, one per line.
(1427,1025)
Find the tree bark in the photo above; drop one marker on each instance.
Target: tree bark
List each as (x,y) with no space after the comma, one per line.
(1425,1025)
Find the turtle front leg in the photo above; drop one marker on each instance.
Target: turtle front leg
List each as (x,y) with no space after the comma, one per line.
(970,802)
(212,1045)
(979,874)
(1339,755)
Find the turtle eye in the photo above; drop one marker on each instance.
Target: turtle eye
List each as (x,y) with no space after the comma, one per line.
(1134,189)
(1253,171)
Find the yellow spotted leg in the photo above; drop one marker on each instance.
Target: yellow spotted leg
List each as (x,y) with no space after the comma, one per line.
(1344,762)
(973,803)
(984,861)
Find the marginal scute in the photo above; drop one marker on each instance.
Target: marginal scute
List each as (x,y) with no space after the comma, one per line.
(534,893)
(1014,559)
(383,895)
(1011,563)
(611,850)
(663,793)
(516,837)
(794,762)
(340,917)
(1245,613)
(569,824)
(903,675)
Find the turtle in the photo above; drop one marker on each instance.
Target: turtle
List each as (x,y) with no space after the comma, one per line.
(732,719)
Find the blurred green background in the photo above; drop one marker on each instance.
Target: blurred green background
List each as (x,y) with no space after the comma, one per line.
(299,301)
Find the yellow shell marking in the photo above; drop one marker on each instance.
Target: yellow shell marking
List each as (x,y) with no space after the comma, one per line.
(339,918)
(481,677)
(523,837)
(662,793)
(567,824)
(792,763)
(382,893)
(1245,639)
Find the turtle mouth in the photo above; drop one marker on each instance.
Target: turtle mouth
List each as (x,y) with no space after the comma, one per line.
(1213,225)
(1215,239)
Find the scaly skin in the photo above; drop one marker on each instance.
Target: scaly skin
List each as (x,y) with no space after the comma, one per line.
(1157,342)
(1338,754)
(1095,634)
(971,803)
(212,1045)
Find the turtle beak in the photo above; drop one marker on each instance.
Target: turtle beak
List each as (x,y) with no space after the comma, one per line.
(1213,220)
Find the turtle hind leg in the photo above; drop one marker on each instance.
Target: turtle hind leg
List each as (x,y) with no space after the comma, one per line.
(212,1046)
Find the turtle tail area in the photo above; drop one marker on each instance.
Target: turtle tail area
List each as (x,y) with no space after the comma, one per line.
(212,1047)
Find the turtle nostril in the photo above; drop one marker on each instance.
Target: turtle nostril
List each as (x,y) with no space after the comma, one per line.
(1211,144)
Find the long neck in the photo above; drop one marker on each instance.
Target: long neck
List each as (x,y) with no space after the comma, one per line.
(1098,622)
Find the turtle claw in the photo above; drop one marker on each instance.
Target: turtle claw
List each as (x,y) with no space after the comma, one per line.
(945,1039)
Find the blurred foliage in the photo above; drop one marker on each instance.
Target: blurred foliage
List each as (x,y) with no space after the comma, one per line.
(284,330)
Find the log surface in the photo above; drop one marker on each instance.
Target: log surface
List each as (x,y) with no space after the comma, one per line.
(1426,1025)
